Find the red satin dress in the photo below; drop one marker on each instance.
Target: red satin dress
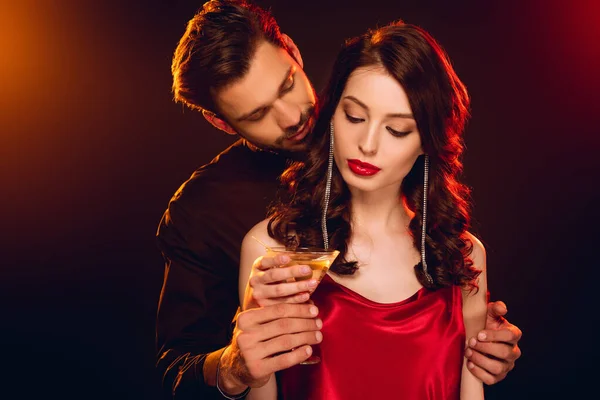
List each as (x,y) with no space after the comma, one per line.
(410,350)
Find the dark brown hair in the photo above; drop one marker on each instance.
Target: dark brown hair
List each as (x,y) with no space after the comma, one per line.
(440,105)
(216,49)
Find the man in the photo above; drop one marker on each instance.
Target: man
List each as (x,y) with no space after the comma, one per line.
(235,66)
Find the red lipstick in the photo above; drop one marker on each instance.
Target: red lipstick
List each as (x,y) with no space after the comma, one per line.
(362,168)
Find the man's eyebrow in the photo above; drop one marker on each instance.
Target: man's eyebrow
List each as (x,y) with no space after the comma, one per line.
(290,71)
(363,105)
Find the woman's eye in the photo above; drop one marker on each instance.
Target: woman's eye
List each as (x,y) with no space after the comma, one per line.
(352,119)
(397,133)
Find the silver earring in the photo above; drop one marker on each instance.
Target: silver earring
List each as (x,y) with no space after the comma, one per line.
(327,190)
(424,225)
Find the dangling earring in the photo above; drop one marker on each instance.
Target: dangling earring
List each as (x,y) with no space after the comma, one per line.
(327,190)
(424,222)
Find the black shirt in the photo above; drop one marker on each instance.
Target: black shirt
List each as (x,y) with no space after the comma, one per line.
(200,237)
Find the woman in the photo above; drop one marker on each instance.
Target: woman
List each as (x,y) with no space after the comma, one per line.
(381,185)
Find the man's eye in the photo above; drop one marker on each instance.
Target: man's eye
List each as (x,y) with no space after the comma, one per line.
(289,85)
(256,116)
(352,119)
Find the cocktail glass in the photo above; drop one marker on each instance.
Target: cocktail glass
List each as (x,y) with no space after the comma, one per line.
(318,259)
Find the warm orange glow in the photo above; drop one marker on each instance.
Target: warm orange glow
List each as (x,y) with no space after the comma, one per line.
(26,45)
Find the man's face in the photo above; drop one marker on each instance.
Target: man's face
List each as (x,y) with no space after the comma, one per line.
(272,106)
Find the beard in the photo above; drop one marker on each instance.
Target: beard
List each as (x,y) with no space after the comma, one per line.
(301,146)
(298,154)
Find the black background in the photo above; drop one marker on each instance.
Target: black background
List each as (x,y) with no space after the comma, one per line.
(92,148)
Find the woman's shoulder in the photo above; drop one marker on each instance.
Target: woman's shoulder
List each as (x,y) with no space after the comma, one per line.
(259,236)
(478,257)
(254,245)
(478,254)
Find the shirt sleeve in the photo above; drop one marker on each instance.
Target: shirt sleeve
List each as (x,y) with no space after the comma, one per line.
(197,303)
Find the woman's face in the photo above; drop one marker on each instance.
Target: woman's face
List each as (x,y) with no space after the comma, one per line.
(376,137)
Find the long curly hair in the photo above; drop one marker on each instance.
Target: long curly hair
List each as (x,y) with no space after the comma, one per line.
(440,105)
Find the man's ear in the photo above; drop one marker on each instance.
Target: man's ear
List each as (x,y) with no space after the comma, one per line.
(218,123)
(293,49)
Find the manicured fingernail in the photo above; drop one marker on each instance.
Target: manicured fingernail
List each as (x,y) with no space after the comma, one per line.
(482,336)
(472,342)
(470,365)
(314,310)
(469,353)
(319,336)
(304,297)
(319,323)
(313,283)
(309,350)
(305,270)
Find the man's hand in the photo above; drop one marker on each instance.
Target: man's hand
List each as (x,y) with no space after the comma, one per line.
(271,282)
(262,341)
(493,353)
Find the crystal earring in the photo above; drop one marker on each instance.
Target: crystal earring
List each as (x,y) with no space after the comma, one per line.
(327,190)
(424,222)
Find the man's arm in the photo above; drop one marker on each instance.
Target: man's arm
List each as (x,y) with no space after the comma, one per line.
(197,304)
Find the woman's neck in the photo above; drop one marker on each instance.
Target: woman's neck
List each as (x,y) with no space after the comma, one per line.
(379,212)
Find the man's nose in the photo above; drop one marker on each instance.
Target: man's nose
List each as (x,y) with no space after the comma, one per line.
(288,114)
